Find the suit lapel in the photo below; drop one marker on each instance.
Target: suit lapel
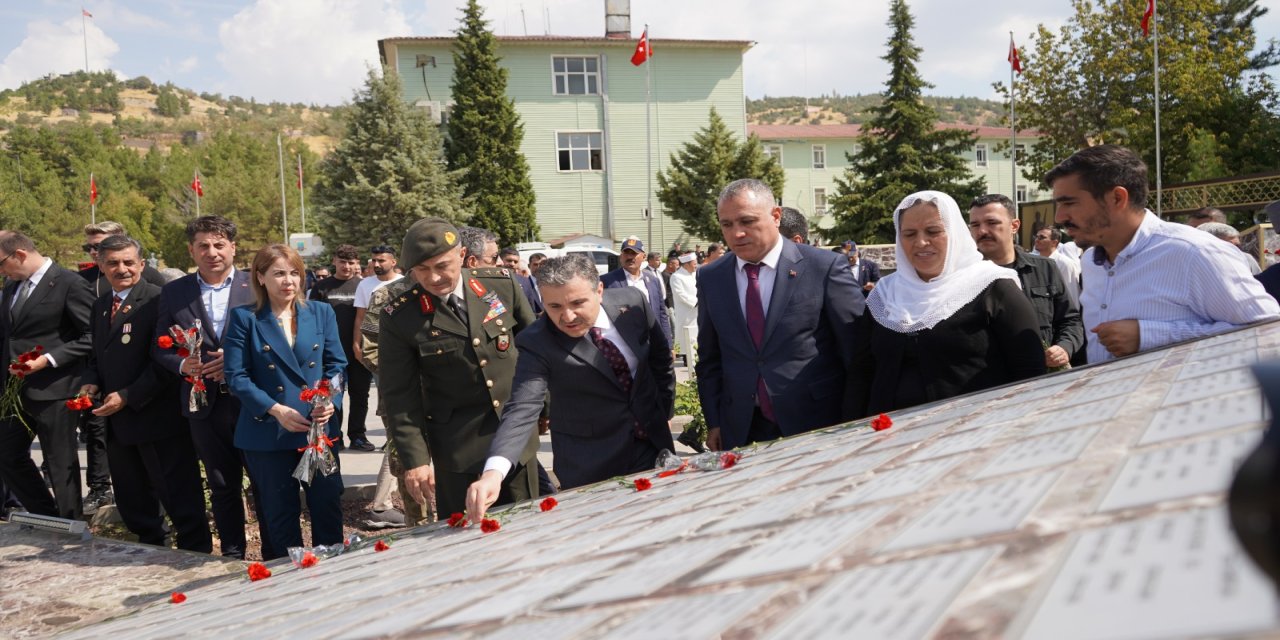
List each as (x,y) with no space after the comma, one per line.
(39,293)
(790,261)
(727,288)
(445,319)
(302,350)
(273,335)
(586,351)
(199,312)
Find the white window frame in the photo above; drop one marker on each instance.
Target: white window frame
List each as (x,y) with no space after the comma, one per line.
(776,148)
(820,201)
(571,149)
(1019,152)
(813,156)
(980,157)
(1020,193)
(586,75)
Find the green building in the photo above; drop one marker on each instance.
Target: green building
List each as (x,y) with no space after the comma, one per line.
(813,156)
(582,104)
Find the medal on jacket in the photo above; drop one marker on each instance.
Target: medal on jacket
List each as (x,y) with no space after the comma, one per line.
(127,329)
(504,342)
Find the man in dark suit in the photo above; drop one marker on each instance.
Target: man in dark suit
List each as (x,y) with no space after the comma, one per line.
(602,355)
(208,295)
(152,462)
(511,259)
(775,328)
(633,274)
(865,272)
(43,305)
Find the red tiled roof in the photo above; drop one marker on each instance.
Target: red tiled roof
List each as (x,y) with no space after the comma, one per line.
(806,131)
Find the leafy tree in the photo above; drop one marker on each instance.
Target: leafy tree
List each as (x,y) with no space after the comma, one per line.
(1092,82)
(485,134)
(168,104)
(901,150)
(387,172)
(696,174)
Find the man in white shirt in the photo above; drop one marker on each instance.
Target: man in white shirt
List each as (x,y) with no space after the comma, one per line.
(684,293)
(1148,282)
(359,379)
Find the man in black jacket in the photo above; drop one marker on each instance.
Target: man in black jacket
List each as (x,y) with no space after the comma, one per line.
(993,225)
(47,306)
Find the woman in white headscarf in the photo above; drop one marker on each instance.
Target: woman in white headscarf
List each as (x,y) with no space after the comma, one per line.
(947,322)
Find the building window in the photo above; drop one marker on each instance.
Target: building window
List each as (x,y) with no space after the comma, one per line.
(819,156)
(819,201)
(980,155)
(575,75)
(774,151)
(1019,153)
(580,151)
(1021,194)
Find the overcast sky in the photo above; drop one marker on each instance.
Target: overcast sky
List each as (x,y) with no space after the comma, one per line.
(316,51)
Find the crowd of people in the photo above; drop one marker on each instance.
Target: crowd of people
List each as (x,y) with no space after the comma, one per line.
(476,355)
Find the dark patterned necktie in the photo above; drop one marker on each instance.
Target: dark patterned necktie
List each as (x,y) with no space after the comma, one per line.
(115,306)
(621,371)
(755,326)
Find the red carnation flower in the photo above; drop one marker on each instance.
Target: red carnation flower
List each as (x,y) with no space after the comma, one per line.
(177,597)
(881,422)
(381,545)
(548,504)
(458,520)
(183,352)
(728,459)
(309,560)
(258,571)
(489,525)
(643,484)
(164,342)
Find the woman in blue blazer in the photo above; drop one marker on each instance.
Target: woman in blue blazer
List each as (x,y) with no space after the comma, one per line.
(273,349)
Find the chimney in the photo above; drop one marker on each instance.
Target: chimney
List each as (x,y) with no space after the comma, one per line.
(617,19)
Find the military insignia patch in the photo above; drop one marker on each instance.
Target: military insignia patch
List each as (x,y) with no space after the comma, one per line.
(477,287)
(427,305)
(449,238)
(504,342)
(496,308)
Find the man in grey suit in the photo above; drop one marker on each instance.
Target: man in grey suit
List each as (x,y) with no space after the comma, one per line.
(607,364)
(775,328)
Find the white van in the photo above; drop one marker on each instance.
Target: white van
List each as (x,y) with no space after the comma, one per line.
(605,258)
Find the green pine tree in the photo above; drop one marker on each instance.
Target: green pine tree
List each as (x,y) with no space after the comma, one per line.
(388,171)
(485,135)
(714,158)
(900,150)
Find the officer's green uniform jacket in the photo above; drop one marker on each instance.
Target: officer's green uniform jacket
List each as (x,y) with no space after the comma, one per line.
(444,384)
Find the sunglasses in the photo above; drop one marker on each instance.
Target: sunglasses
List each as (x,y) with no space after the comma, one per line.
(91,247)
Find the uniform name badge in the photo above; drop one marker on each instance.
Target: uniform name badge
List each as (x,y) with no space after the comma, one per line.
(126,329)
(504,342)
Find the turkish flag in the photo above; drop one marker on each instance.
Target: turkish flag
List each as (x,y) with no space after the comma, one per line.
(197,186)
(1014,60)
(86,13)
(1146,17)
(93,191)
(643,50)
(299,176)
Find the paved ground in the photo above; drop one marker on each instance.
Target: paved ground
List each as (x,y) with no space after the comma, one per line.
(360,469)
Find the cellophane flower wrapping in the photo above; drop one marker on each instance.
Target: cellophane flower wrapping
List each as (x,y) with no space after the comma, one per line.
(318,454)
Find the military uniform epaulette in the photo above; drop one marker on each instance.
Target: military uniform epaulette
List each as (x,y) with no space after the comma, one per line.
(404,299)
(489,272)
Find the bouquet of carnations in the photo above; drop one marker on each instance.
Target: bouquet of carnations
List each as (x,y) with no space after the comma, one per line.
(82,402)
(669,464)
(318,454)
(187,342)
(11,399)
(307,557)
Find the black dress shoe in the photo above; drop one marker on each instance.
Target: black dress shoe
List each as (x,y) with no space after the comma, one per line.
(690,440)
(361,444)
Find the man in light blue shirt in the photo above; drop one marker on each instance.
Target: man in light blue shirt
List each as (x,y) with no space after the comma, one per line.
(1147,282)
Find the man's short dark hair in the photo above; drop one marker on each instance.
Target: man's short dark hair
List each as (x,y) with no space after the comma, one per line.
(383,248)
(537,256)
(995,198)
(1054,234)
(1213,214)
(346,252)
(508,251)
(118,242)
(794,224)
(557,272)
(1103,168)
(216,225)
(11,241)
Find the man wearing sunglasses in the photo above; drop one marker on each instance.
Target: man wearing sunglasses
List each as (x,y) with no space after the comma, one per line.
(94,234)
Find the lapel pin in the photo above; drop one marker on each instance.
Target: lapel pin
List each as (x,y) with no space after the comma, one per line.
(791,273)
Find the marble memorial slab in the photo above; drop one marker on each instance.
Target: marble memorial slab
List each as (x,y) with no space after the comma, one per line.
(1186,469)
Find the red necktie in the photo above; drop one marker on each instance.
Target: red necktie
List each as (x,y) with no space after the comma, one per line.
(755,325)
(115,306)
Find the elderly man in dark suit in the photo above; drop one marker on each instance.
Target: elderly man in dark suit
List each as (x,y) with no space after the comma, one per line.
(152,463)
(775,328)
(866,273)
(209,295)
(47,306)
(633,274)
(608,367)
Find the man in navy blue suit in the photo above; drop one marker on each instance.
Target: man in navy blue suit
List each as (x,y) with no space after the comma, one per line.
(633,274)
(775,328)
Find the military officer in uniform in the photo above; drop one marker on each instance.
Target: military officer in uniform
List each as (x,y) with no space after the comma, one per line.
(448,354)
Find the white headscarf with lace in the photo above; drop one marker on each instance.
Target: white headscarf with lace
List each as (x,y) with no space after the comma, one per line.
(904,303)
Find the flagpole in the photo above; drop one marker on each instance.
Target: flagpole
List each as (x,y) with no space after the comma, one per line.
(1155,40)
(1013,131)
(302,195)
(648,135)
(284,205)
(84,33)
(93,202)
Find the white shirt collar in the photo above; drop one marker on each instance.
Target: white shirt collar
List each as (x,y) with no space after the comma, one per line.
(637,277)
(123,294)
(602,320)
(457,290)
(769,260)
(39,274)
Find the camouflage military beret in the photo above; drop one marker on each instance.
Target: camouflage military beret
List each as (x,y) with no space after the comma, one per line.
(428,238)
